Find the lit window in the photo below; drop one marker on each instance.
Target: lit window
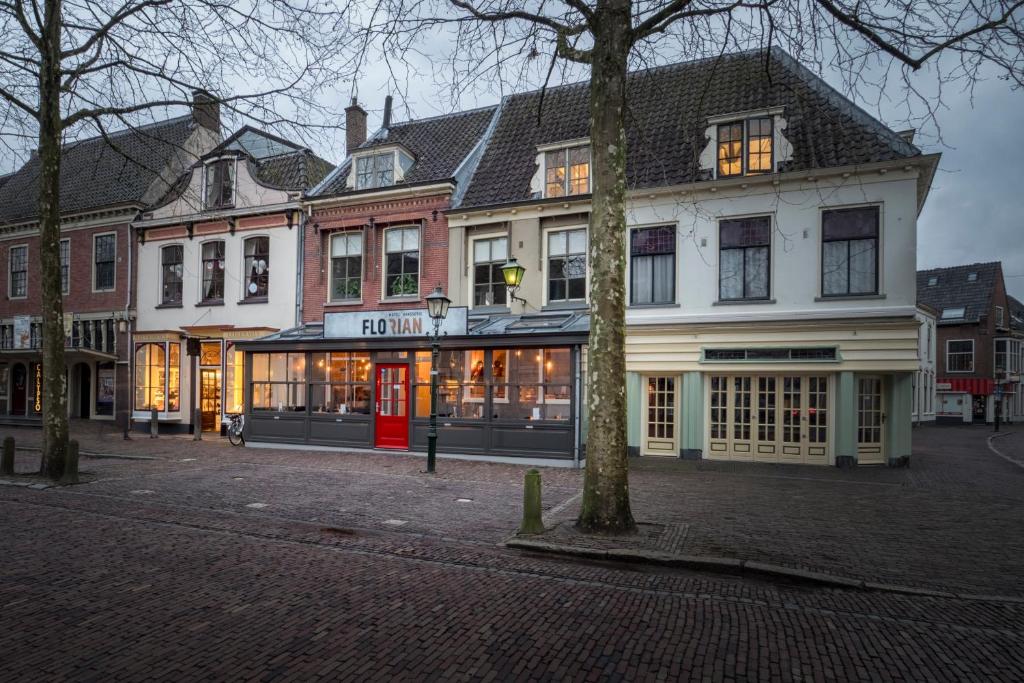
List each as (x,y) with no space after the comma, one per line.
(213,272)
(652,264)
(849,264)
(346,266)
(960,355)
(157,376)
(19,272)
(567,265)
(104,256)
(233,373)
(279,382)
(953,313)
(171,258)
(489,255)
(730,150)
(257,267)
(220,184)
(375,170)
(759,146)
(567,171)
(402,256)
(744,258)
(745,147)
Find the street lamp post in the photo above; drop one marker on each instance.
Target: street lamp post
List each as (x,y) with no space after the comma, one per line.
(437,307)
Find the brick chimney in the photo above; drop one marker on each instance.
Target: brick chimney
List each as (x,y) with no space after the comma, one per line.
(355,126)
(206,110)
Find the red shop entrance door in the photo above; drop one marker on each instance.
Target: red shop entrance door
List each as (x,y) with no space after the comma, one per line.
(392,412)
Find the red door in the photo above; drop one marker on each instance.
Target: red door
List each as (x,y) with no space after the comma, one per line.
(392,427)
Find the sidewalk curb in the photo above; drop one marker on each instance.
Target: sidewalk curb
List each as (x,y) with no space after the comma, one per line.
(90,454)
(991,447)
(727,565)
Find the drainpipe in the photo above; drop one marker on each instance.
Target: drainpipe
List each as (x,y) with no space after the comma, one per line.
(129,328)
(300,269)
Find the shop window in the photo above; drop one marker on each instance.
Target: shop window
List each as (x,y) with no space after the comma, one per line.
(104,250)
(744,258)
(213,272)
(18,281)
(652,265)
(233,379)
(65,266)
(539,386)
(489,255)
(279,382)
(346,266)
(849,263)
(461,384)
(340,383)
(257,267)
(960,355)
(402,261)
(158,376)
(105,388)
(567,265)
(171,260)
(209,353)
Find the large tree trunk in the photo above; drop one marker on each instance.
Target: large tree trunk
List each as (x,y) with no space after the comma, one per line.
(605,505)
(54,389)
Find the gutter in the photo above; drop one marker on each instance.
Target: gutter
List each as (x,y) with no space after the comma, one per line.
(210,217)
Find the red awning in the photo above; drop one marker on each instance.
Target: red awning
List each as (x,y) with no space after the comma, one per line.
(978,386)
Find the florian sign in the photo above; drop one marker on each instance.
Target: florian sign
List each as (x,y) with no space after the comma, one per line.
(391,324)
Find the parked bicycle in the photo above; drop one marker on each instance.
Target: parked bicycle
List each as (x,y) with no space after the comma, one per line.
(235,424)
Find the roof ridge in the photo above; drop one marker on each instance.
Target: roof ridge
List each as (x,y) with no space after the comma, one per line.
(124,131)
(461,112)
(962,265)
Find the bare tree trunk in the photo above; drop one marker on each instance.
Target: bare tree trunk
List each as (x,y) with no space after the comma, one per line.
(605,504)
(54,389)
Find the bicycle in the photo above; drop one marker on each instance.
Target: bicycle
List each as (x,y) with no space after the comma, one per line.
(235,424)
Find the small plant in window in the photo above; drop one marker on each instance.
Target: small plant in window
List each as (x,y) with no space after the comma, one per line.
(403,285)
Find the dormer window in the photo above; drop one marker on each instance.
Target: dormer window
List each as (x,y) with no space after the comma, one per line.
(745,147)
(972,277)
(953,313)
(375,170)
(932,281)
(567,171)
(220,184)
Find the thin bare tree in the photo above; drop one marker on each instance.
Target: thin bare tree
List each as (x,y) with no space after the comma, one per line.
(873,47)
(75,67)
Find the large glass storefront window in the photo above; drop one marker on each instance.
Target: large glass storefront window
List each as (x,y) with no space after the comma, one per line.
(340,383)
(279,382)
(233,375)
(158,376)
(461,388)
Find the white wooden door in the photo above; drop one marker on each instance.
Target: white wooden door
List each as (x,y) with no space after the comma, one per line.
(870,420)
(660,431)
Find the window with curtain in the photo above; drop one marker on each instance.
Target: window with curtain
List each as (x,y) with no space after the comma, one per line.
(744,258)
(346,266)
(220,184)
(279,382)
(402,257)
(652,278)
(104,257)
(340,383)
(171,271)
(567,265)
(849,263)
(257,267)
(158,376)
(18,258)
(213,272)
(489,255)
(65,266)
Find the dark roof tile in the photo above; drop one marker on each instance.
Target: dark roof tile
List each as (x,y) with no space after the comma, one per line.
(953,288)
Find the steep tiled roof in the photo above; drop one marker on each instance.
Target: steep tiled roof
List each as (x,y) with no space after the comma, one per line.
(954,288)
(438,144)
(295,171)
(1016,314)
(667,118)
(99,172)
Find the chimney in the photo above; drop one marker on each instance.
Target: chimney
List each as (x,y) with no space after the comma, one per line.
(355,126)
(206,110)
(387,113)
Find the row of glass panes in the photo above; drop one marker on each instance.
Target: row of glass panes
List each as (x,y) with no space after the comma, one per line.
(256,266)
(104,251)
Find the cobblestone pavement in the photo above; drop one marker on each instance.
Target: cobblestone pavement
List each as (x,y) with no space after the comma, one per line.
(214,562)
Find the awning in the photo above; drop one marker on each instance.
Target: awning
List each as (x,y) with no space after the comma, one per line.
(978,386)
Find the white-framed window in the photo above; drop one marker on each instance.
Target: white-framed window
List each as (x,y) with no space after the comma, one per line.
(567,171)
(375,170)
(212,268)
(489,255)
(929,340)
(953,313)
(744,258)
(172,269)
(17,280)
(104,262)
(960,355)
(401,262)
(1000,317)
(346,266)
(220,184)
(567,265)
(256,252)
(65,266)
(745,147)
(652,265)
(158,376)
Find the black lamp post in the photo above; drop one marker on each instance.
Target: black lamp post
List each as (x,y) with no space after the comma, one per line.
(513,274)
(437,307)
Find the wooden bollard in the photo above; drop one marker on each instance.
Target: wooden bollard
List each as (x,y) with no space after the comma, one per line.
(532,523)
(154,424)
(197,424)
(7,461)
(70,463)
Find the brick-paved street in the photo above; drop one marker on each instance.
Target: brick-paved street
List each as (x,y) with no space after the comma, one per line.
(214,562)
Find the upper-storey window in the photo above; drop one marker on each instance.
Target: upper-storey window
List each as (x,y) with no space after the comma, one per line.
(220,184)
(1000,317)
(960,355)
(104,255)
(849,263)
(402,262)
(346,266)
(65,266)
(375,170)
(172,268)
(744,258)
(18,283)
(652,265)
(745,147)
(257,267)
(567,171)
(953,313)
(489,255)
(213,272)
(567,265)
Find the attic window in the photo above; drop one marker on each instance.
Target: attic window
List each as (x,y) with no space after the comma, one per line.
(953,313)
(220,184)
(972,277)
(745,147)
(932,281)
(567,171)
(375,170)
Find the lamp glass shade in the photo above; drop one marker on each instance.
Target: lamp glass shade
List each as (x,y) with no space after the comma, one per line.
(437,304)
(513,273)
